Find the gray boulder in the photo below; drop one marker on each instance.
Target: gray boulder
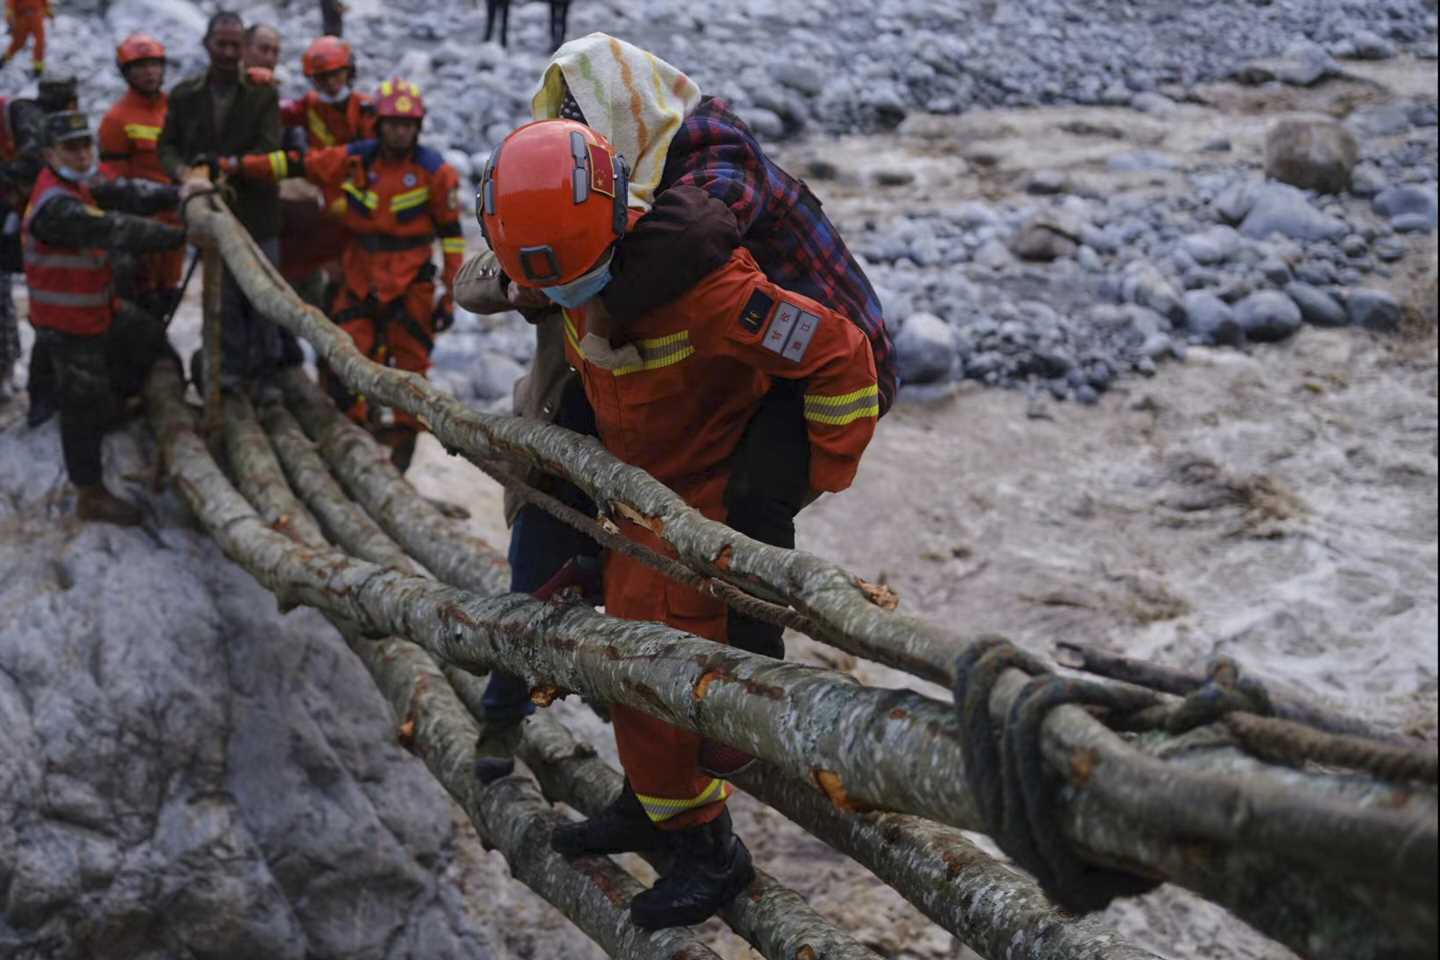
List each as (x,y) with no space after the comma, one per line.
(1374,310)
(1384,120)
(1236,200)
(1305,64)
(1209,319)
(1212,246)
(1406,199)
(1413,223)
(1267,316)
(1369,46)
(1047,236)
(925,350)
(1366,179)
(1280,208)
(1145,286)
(1311,154)
(1316,306)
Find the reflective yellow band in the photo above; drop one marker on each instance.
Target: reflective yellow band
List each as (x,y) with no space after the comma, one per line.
(840,409)
(659,352)
(318,130)
(660,809)
(139,131)
(366,198)
(453,245)
(279,164)
(410,198)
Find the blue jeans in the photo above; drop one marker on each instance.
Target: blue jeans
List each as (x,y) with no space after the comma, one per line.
(539,546)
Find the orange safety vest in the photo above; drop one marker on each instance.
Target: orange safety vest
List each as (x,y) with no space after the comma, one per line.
(129,136)
(70,287)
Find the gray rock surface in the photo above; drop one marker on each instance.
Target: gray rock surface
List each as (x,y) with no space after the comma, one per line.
(1278,208)
(1317,306)
(1374,310)
(1212,246)
(1311,154)
(925,349)
(1208,319)
(185,771)
(1267,316)
(1406,199)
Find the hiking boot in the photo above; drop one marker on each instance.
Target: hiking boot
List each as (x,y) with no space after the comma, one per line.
(495,749)
(711,867)
(622,827)
(97,503)
(722,760)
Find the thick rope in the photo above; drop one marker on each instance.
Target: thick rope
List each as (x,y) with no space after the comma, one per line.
(1014,789)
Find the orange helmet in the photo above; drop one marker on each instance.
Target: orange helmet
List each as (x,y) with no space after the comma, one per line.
(137,47)
(399,99)
(325,55)
(552,200)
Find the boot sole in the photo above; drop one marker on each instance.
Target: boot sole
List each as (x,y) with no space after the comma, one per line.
(689,917)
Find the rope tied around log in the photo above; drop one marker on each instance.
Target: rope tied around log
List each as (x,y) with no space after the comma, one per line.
(1014,790)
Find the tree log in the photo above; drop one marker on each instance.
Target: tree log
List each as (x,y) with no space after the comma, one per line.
(365,470)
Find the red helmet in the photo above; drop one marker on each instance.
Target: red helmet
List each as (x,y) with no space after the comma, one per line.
(399,99)
(552,200)
(137,47)
(325,55)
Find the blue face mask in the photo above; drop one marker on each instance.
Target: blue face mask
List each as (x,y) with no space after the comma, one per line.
(585,287)
(76,176)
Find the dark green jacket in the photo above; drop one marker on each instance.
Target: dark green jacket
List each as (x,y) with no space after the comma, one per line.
(252,126)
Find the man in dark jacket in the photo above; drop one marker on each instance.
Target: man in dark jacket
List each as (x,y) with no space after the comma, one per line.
(99,348)
(220,113)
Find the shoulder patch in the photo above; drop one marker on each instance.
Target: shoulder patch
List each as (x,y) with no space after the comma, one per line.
(429,159)
(791,331)
(757,308)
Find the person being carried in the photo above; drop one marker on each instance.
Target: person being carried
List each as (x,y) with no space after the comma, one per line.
(672,389)
(27,19)
(673,136)
(401,197)
(129,138)
(100,348)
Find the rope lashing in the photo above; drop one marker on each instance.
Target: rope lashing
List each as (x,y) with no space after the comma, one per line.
(1014,789)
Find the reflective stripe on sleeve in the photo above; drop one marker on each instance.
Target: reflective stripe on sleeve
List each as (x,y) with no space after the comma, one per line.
(453,245)
(141,131)
(279,164)
(839,409)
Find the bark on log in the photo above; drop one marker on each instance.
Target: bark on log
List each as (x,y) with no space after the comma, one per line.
(774,919)
(364,468)
(344,520)
(211,303)
(994,911)
(808,720)
(509,814)
(261,479)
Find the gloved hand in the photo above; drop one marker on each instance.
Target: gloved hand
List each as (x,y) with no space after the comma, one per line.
(443,317)
(579,577)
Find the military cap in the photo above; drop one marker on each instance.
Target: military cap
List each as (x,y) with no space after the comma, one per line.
(70,125)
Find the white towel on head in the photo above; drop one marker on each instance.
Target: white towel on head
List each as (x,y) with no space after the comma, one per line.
(629,96)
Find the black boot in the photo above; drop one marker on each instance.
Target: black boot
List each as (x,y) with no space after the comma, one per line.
(622,827)
(710,868)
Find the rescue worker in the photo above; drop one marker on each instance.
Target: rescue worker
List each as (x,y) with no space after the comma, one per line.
(331,114)
(220,112)
(11,204)
(100,348)
(672,389)
(676,243)
(24,126)
(27,19)
(129,140)
(401,197)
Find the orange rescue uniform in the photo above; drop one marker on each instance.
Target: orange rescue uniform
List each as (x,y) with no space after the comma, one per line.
(675,401)
(27,19)
(394,213)
(310,242)
(128,136)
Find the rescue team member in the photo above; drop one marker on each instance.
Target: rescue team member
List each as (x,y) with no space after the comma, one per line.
(331,114)
(24,132)
(400,198)
(672,390)
(27,19)
(673,137)
(100,349)
(219,113)
(129,138)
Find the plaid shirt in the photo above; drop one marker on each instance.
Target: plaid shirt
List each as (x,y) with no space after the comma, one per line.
(781,221)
